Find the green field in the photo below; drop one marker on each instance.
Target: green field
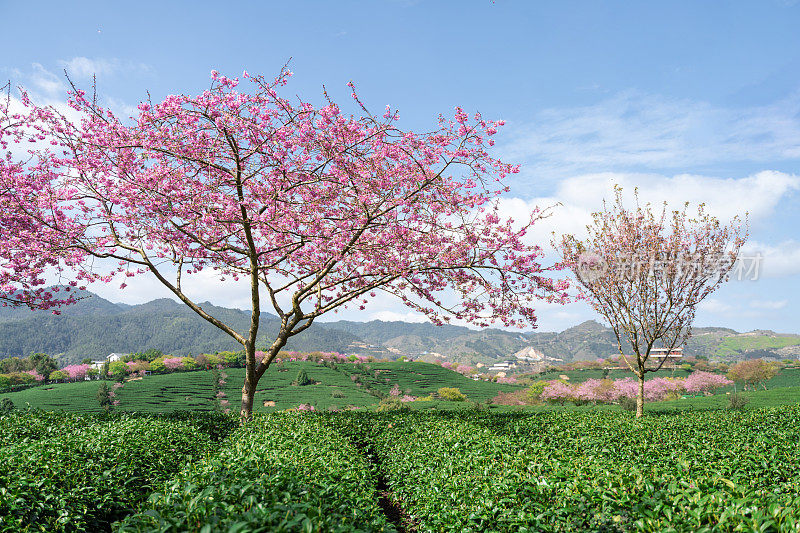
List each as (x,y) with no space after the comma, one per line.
(555,471)
(194,390)
(334,388)
(733,346)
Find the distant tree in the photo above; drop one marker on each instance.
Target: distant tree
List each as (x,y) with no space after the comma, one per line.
(104,397)
(705,382)
(6,405)
(43,363)
(302,378)
(452,394)
(117,370)
(646,273)
(58,375)
(391,404)
(753,372)
(314,209)
(14,364)
(86,361)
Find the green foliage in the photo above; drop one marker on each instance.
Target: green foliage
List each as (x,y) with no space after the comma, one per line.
(6,405)
(43,363)
(737,400)
(147,355)
(117,368)
(157,365)
(189,363)
(451,394)
(590,471)
(391,403)
(85,479)
(535,391)
(104,396)
(282,472)
(628,404)
(57,375)
(464,470)
(302,378)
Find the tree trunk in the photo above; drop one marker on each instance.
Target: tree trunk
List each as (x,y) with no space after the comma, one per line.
(248,394)
(253,371)
(640,398)
(250,382)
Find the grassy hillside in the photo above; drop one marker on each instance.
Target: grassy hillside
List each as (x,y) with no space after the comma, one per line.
(333,387)
(735,346)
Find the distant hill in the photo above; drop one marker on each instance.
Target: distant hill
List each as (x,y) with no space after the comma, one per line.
(95,327)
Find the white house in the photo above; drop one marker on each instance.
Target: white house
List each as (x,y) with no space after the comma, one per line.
(502,366)
(109,359)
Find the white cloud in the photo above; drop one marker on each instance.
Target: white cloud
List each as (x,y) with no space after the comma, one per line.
(712,305)
(773,305)
(580,196)
(776,261)
(389,316)
(638,131)
(83,67)
(46,82)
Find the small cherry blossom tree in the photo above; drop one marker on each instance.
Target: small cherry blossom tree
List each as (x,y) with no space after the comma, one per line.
(645,272)
(314,209)
(753,372)
(705,382)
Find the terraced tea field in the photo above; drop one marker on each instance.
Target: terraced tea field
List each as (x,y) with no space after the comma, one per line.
(404,471)
(339,387)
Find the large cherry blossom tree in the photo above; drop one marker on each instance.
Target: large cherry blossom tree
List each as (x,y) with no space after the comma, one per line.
(315,209)
(646,271)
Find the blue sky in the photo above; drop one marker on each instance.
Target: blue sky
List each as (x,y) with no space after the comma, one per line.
(694,101)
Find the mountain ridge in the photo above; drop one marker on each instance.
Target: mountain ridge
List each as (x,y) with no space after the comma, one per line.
(95,327)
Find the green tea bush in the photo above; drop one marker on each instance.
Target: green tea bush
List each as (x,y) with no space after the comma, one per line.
(82,480)
(21,426)
(737,401)
(6,405)
(391,404)
(281,472)
(451,394)
(567,471)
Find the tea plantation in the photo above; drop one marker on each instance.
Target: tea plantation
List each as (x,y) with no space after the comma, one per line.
(336,386)
(406,471)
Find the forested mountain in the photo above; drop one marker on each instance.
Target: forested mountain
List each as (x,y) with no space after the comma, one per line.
(95,327)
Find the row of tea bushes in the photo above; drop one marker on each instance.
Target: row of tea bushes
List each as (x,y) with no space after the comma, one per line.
(83,479)
(713,471)
(282,472)
(18,427)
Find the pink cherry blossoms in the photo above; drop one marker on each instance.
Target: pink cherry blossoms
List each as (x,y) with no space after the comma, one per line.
(306,203)
(611,391)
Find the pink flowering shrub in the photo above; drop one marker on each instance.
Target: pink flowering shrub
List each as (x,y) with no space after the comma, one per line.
(509,380)
(557,391)
(463,369)
(408,398)
(608,391)
(395,390)
(37,376)
(705,382)
(173,363)
(76,372)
